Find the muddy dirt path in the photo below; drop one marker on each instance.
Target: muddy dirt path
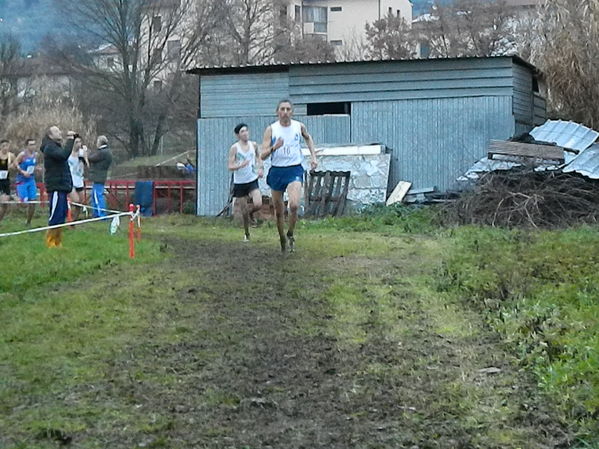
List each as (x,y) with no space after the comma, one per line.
(269,356)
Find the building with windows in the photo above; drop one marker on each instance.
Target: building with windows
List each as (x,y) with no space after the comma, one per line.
(342,22)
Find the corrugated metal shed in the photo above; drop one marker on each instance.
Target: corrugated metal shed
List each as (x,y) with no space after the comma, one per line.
(433,141)
(437,116)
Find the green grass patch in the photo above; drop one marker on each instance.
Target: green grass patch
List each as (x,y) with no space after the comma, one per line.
(539,290)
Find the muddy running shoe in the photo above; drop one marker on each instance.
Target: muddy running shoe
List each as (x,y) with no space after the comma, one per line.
(246,238)
(291,243)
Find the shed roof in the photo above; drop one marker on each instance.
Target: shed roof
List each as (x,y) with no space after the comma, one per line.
(283,67)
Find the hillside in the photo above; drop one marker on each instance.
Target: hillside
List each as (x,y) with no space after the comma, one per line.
(29,20)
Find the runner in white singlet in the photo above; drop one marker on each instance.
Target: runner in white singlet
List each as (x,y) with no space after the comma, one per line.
(282,143)
(246,165)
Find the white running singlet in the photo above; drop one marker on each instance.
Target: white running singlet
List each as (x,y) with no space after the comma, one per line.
(291,152)
(77,171)
(247,173)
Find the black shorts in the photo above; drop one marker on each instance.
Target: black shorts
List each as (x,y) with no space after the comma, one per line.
(5,187)
(241,190)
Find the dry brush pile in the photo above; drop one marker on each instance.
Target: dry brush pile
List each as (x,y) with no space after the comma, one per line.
(525,198)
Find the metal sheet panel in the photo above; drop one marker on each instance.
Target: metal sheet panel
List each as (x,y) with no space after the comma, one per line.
(586,163)
(522,128)
(215,136)
(523,94)
(239,95)
(540,109)
(565,134)
(401,80)
(433,141)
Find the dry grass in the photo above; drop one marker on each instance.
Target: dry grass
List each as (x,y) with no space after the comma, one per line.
(47,108)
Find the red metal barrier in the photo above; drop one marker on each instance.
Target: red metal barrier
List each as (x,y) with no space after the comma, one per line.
(168,195)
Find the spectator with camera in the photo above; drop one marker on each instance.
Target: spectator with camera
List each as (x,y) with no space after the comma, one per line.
(58,180)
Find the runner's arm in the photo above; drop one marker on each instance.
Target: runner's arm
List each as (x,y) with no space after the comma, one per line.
(259,163)
(15,163)
(233,165)
(266,147)
(310,142)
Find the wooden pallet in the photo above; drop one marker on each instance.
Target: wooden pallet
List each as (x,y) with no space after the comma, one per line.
(326,193)
(520,150)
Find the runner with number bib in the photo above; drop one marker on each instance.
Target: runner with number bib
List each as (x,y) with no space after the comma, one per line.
(282,143)
(26,163)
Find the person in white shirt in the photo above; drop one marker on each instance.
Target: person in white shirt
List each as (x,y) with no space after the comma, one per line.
(77,163)
(282,143)
(246,165)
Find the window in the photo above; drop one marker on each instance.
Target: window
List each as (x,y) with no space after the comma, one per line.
(298,14)
(398,13)
(157,55)
(329,108)
(336,9)
(173,50)
(283,15)
(110,62)
(390,11)
(317,15)
(157,84)
(337,42)
(425,49)
(157,24)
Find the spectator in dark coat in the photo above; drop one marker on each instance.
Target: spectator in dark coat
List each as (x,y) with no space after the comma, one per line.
(57,177)
(99,163)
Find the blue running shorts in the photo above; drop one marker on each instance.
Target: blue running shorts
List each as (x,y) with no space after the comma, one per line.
(280,177)
(27,190)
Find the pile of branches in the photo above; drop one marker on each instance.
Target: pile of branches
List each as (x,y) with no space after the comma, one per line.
(525,198)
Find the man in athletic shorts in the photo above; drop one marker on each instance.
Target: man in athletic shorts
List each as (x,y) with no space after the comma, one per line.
(25,164)
(6,160)
(246,165)
(282,144)
(57,177)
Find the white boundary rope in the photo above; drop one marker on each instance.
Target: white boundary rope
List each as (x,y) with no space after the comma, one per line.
(89,220)
(23,202)
(95,208)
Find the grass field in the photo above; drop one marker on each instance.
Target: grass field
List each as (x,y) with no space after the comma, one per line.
(382,331)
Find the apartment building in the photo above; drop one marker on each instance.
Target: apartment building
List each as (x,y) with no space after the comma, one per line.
(342,22)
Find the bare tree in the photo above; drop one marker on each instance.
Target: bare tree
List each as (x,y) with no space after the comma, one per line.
(568,56)
(355,48)
(252,25)
(151,41)
(390,38)
(10,63)
(468,28)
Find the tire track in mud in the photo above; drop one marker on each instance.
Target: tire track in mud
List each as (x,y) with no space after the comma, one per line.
(260,366)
